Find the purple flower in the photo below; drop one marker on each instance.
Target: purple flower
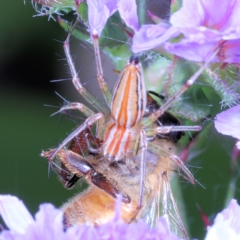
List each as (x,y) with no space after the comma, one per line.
(228,50)
(14,213)
(151,36)
(48,224)
(203,28)
(200,22)
(100,10)
(228,123)
(226,224)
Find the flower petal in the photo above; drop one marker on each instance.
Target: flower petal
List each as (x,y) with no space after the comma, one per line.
(48,224)
(238,145)
(128,12)
(231,215)
(202,25)
(7,235)
(100,10)
(98,13)
(230,51)
(14,213)
(151,36)
(191,51)
(202,14)
(228,122)
(203,29)
(226,224)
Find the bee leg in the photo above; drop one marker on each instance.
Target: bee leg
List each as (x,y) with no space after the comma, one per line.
(103,183)
(76,164)
(68,180)
(71,182)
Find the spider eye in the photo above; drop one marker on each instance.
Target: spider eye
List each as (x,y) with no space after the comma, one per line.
(134,59)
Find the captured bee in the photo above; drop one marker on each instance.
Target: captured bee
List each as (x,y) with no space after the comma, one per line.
(127,148)
(110,179)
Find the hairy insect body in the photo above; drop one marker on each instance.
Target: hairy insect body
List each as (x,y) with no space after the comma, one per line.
(93,207)
(96,206)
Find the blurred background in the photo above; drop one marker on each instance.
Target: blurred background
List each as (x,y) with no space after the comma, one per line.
(31,55)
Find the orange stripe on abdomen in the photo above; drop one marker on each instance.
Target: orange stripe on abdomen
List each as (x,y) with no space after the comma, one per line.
(129,96)
(123,113)
(114,141)
(117,145)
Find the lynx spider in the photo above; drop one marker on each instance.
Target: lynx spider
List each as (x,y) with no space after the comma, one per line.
(121,125)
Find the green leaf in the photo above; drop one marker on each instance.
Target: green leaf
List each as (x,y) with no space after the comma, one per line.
(176,5)
(224,83)
(83,12)
(81,35)
(118,55)
(114,33)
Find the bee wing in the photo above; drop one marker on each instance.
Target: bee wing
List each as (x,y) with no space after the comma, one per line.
(151,213)
(164,205)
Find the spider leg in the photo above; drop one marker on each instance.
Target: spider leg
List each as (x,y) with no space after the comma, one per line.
(77,106)
(167,129)
(143,142)
(88,122)
(152,132)
(158,149)
(155,115)
(87,112)
(102,83)
(76,80)
(188,175)
(143,146)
